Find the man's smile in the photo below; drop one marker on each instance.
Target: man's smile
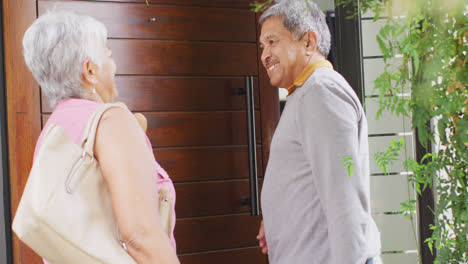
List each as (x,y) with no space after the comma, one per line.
(272,65)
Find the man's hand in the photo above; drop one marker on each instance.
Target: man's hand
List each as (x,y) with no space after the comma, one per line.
(141,120)
(261,239)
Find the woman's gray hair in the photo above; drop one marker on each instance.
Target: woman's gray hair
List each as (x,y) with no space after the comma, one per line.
(300,16)
(55,47)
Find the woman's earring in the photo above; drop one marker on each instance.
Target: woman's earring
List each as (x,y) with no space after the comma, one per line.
(94,90)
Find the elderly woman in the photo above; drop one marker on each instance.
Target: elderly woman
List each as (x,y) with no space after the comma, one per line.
(67,54)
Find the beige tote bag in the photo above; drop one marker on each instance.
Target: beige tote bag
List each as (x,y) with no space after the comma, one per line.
(65,214)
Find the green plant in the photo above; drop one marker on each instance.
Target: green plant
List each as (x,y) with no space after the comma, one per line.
(430,86)
(261,6)
(348,164)
(384,159)
(431,37)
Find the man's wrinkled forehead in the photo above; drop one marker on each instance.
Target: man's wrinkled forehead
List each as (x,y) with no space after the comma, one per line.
(272,27)
(268,36)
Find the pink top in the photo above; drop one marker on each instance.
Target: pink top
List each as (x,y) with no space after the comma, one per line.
(73,115)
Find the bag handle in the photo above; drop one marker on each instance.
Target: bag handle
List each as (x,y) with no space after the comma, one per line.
(91,128)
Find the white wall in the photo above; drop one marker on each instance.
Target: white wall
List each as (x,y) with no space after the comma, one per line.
(326,5)
(398,233)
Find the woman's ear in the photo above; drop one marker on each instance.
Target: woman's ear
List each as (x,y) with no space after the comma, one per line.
(311,42)
(89,71)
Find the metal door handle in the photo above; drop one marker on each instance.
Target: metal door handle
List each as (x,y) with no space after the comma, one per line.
(240,91)
(245,201)
(252,148)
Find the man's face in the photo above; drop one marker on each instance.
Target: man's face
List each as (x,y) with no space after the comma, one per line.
(282,56)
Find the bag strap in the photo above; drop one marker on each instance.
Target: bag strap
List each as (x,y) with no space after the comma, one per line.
(91,128)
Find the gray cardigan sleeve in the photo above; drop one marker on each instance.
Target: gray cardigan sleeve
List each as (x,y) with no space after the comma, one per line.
(328,124)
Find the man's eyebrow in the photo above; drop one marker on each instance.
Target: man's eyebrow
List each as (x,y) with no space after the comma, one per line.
(268,37)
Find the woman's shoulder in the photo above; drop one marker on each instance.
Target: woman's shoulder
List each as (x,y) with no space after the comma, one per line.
(72,104)
(73,115)
(118,118)
(74,109)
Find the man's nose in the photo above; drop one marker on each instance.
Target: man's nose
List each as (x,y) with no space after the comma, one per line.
(265,56)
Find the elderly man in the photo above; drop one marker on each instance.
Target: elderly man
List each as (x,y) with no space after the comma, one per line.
(313,210)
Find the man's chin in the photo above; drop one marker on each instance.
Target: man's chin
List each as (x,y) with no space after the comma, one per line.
(275,83)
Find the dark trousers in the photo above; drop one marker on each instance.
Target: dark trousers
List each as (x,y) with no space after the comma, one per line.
(370,261)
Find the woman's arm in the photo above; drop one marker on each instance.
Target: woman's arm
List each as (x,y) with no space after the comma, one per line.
(127,166)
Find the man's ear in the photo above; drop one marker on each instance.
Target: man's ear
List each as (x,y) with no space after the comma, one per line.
(311,40)
(89,71)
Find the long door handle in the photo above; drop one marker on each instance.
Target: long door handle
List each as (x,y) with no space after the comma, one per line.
(252,145)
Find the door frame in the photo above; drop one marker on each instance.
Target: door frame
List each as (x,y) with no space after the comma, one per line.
(22,109)
(349,48)
(5,212)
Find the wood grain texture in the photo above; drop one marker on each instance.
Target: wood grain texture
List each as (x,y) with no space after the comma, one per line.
(213,198)
(198,129)
(160,93)
(182,129)
(151,93)
(242,4)
(247,255)
(216,233)
(207,163)
(153,57)
(129,20)
(23,108)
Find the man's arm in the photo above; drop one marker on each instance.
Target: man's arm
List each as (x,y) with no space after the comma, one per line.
(328,122)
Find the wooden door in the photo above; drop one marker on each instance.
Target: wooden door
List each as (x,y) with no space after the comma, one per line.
(182,63)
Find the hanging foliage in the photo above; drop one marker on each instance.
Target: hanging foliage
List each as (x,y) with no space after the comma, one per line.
(431,38)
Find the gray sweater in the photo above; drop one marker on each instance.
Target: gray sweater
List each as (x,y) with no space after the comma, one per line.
(313,211)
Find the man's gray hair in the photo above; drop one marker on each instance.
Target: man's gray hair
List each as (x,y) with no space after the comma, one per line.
(55,47)
(300,16)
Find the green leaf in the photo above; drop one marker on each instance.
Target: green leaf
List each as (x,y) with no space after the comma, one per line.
(348,164)
(384,159)
(259,6)
(384,32)
(382,45)
(415,57)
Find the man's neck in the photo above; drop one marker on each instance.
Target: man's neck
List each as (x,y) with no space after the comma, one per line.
(307,71)
(314,58)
